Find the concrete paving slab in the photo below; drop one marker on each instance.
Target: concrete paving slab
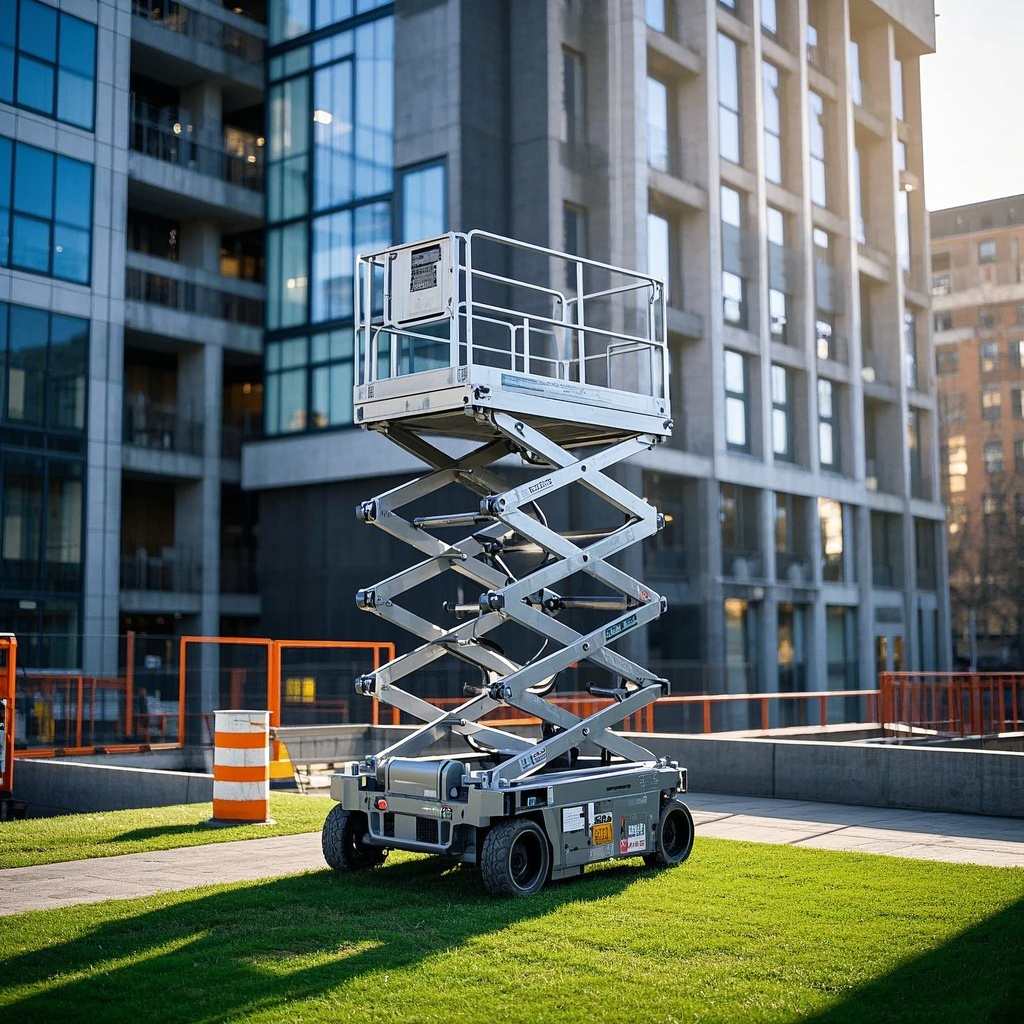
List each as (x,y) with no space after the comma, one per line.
(950,838)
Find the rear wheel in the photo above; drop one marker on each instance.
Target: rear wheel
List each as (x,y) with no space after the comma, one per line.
(673,838)
(515,859)
(342,841)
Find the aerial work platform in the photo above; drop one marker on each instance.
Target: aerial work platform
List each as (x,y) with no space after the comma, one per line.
(468,352)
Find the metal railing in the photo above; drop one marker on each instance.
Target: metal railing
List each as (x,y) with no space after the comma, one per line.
(203,28)
(189,297)
(174,570)
(792,568)
(742,565)
(520,324)
(178,147)
(952,703)
(160,427)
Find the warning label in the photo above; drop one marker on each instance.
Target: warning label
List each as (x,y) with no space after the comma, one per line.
(423,275)
(573,819)
(635,839)
(601,831)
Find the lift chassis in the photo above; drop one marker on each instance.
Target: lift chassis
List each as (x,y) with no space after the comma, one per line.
(571,398)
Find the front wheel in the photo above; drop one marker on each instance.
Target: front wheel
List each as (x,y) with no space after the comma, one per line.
(515,859)
(673,839)
(342,841)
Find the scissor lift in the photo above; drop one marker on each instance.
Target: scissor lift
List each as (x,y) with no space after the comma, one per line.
(467,356)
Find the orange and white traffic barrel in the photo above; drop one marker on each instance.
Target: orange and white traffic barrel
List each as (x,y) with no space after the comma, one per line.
(241,767)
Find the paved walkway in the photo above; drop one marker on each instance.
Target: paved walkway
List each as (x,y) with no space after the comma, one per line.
(945,837)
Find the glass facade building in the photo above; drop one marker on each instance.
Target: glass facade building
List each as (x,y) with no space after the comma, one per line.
(330,193)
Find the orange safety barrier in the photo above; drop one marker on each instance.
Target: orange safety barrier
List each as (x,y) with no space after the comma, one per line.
(241,767)
(8,673)
(953,703)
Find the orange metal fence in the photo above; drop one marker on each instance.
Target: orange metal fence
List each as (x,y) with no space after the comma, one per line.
(68,713)
(8,671)
(953,703)
(654,717)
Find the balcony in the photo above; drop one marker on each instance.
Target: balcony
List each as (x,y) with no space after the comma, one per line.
(181,40)
(158,427)
(792,568)
(166,300)
(171,172)
(742,565)
(831,346)
(175,570)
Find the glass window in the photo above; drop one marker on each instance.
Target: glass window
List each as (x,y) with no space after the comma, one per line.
(736,432)
(332,378)
(63,545)
(830,521)
(288,149)
(769,16)
(816,131)
(989,356)
(856,85)
(659,250)
(991,401)
(574,232)
(50,226)
(903,228)
(910,348)
(782,425)
(333,136)
(728,98)
(574,91)
(828,439)
(947,360)
(46,361)
(897,90)
(1017,353)
(987,251)
(287,276)
(656,13)
(734,306)
(778,277)
(423,201)
(337,237)
(55,62)
(772,121)
(23,516)
(658,135)
(285,391)
(290,18)
(374,46)
(993,454)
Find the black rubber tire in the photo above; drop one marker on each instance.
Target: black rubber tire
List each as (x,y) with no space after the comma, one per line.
(342,842)
(673,838)
(515,859)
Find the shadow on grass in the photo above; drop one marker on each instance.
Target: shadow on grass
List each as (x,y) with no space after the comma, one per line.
(226,955)
(976,977)
(196,828)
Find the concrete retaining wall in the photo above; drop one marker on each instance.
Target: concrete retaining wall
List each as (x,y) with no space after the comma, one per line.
(58,787)
(868,774)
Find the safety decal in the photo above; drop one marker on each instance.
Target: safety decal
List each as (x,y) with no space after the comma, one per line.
(635,840)
(601,832)
(618,628)
(573,819)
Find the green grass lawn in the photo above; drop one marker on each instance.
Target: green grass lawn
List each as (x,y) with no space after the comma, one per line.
(75,836)
(743,932)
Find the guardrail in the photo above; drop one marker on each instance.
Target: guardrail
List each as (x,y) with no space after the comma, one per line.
(953,703)
(188,297)
(203,28)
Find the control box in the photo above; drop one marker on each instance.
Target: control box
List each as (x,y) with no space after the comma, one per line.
(421,281)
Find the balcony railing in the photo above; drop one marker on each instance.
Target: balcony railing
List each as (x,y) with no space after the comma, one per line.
(159,427)
(201,27)
(188,297)
(174,570)
(792,568)
(742,565)
(177,147)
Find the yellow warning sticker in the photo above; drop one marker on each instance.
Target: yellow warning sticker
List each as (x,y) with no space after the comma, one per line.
(601,833)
